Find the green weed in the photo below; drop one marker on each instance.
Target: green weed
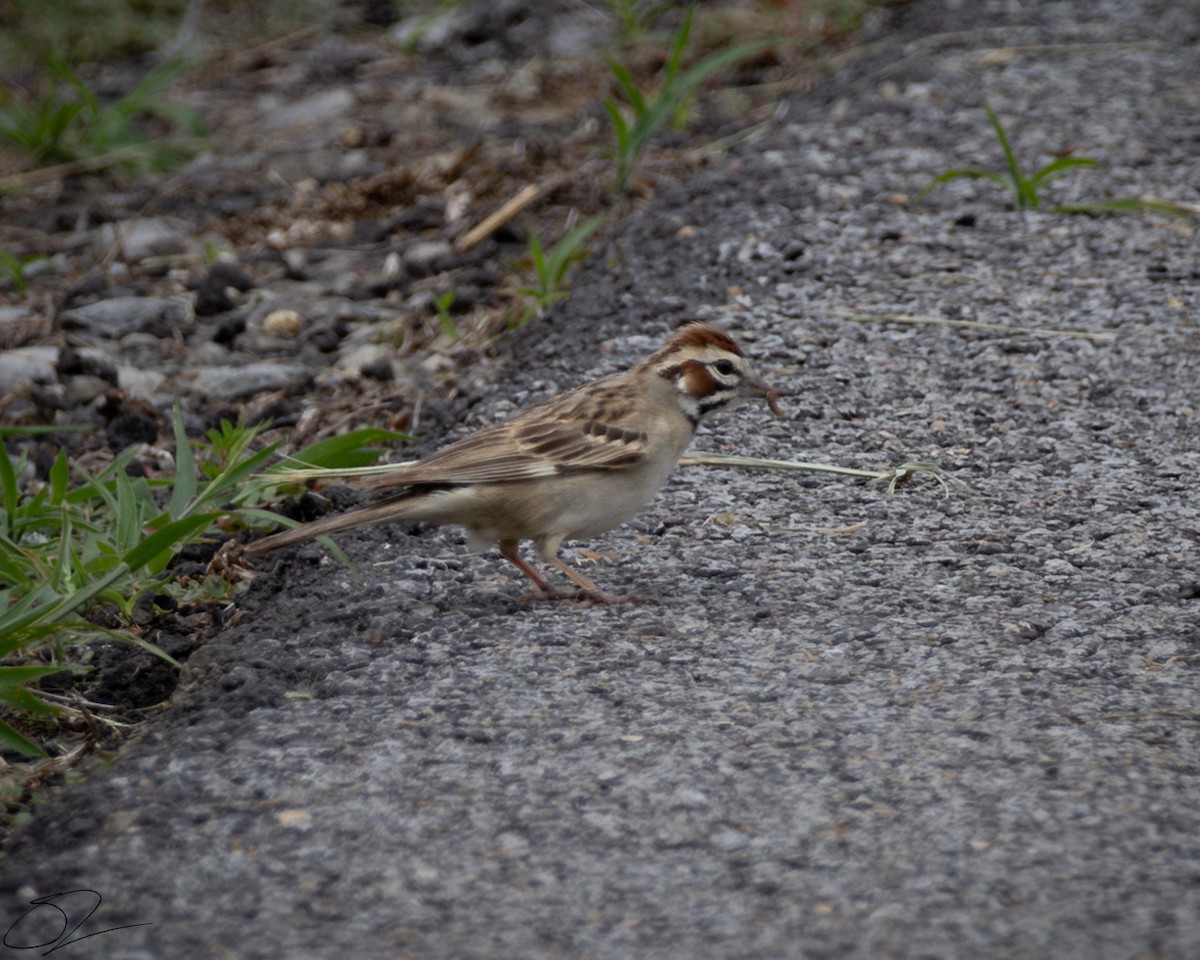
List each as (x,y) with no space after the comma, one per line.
(633,17)
(68,122)
(1024,189)
(550,270)
(83,539)
(442,305)
(15,268)
(649,112)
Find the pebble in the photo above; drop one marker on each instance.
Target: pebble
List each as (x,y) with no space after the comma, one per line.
(283,323)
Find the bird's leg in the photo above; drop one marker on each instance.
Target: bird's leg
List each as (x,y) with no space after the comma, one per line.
(509,551)
(590,590)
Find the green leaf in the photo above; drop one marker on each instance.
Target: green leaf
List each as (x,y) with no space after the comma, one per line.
(165,538)
(14,564)
(60,580)
(184,490)
(1010,159)
(969,173)
(567,249)
(232,476)
(628,87)
(1128,205)
(41,429)
(12,740)
(9,496)
(539,262)
(697,74)
(129,526)
(60,475)
(19,676)
(347,450)
(1055,167)
(678,45)
(18,698)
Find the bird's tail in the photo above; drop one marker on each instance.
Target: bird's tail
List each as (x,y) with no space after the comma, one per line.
(392,509)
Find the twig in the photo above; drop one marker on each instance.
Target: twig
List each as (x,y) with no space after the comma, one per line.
(491,223)
(894,476)
(62,170)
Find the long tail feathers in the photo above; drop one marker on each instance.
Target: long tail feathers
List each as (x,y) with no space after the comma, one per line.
(359,517)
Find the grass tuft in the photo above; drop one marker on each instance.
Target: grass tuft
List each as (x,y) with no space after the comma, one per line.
(108,538)
(67,122)
(650,112)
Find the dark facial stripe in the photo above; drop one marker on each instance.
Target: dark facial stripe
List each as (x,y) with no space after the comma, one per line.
(716,402)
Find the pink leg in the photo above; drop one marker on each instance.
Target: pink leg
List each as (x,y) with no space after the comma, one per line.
(508,550)
(591,591)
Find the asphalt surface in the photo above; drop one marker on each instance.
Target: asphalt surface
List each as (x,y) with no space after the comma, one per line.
(844,722)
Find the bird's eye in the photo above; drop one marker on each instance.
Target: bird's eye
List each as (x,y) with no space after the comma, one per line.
(724,367)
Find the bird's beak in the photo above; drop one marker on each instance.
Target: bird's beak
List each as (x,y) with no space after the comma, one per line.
(755,386)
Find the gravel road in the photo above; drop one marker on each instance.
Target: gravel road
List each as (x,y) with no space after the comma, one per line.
(844,723)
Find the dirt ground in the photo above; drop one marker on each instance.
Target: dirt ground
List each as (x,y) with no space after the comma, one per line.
(843,722)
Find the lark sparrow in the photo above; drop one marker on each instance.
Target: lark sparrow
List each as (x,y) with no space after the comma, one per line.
(571,467)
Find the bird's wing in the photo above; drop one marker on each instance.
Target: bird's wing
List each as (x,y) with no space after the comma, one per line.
(593,428)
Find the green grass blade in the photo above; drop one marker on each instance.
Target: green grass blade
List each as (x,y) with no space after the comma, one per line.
(42,429)
(14,565)
(129,526)
(539,263)
(697,74)
(140,556)
(184,490)
(60,579)
(232,476)
(1014,169)
(60,476)
(348,450)
(1055,167)
(619,123)
(19,623)
(1129,205)
(567,248)
(628,87)
(9,494)
(163,539)
(970,173)
(678,45)
(10,739)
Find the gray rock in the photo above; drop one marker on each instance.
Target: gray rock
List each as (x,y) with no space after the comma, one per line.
(143,238)
(312,111)
(371,355)
(237,383)
(19,326)
(26,365)
(422,257)
(148,384)
(159,316)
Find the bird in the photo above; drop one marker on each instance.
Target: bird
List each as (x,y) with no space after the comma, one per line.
(568,468)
